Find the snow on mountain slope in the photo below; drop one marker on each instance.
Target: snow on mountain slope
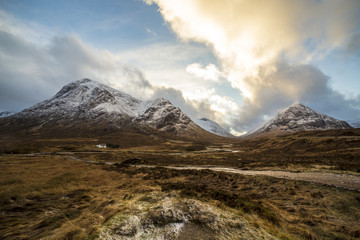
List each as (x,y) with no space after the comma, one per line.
(213,127)
(88,97)
(161,113)
(89,103)
(298,118)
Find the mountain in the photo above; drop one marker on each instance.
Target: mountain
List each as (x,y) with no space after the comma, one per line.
(86,105)
(5,114)
(354,124)
(213,127)
(297,118)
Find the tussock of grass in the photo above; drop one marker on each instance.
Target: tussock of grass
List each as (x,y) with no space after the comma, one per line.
(55,197)
(287,209)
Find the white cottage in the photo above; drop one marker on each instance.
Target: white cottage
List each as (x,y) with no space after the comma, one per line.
(101,146)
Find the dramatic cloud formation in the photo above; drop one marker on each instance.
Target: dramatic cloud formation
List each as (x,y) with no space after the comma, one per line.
(266,47)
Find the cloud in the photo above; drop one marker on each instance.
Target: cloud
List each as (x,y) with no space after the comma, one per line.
(210,72)
(31,72)
(32,32)
(165,66)
(164,63)
(266,48)
(353,45)
(148,30)
(192,108)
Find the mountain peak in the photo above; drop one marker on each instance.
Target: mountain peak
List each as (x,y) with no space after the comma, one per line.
(212,127)
(299,117)
(297,105)
(85,80)
(85,84)
(297,109)
(160,101)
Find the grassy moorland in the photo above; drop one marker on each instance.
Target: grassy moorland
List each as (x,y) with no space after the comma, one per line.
(55,196)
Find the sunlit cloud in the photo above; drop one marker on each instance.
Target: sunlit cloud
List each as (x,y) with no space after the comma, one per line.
(254,40)
(210,72)
(237,133)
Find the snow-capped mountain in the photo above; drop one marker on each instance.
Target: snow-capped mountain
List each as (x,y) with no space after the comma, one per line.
(87,103)
(161,114)
(212,127)
(87,99)
(298,118)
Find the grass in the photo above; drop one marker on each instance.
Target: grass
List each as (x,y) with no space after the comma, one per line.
(55,197)
(286,208)
(62,198)
(44,196)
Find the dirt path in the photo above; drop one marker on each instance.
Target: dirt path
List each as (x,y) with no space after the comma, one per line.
(346,181)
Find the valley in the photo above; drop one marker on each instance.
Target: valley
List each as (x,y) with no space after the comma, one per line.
(67,188)
(95,163)
(180,120)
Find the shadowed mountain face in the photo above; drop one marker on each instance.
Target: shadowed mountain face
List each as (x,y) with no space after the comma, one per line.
(297,118)
(87,105)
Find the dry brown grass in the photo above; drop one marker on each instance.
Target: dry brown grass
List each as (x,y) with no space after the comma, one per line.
(56,197)
(288,209)
(59,198)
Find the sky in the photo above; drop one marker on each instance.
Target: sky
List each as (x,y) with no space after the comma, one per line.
(237,62)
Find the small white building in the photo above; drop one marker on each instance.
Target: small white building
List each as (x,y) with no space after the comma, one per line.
(101,146)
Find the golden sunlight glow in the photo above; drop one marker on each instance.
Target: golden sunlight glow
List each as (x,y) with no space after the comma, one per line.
(251,37)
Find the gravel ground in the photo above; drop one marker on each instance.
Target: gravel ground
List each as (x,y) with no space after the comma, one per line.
(346,181)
